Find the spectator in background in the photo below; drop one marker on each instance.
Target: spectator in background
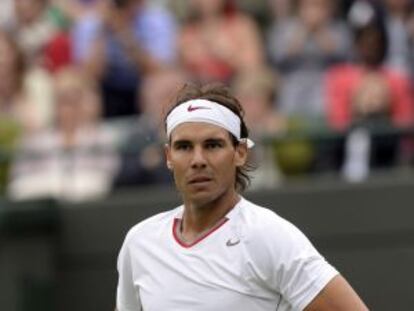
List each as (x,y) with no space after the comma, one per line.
(302,48)
(366,99)
(120,44)
(73,160)
(369,143)
(12,72)
(143,149)
(399,24)
(13,115)
(45,48)
(280,9)
(33,28)
(257,93)
(6,13)
(217,41)
(76,9)
(20,101)
(343,81)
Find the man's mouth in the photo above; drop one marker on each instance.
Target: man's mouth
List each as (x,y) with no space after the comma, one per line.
(199,180)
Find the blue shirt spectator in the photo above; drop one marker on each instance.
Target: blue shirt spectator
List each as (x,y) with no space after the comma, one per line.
(120,54)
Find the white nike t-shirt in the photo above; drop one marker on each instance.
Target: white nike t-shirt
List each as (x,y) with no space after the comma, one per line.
(254,261)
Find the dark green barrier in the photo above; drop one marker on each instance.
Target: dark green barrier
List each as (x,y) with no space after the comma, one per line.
(366,231)
(28,233)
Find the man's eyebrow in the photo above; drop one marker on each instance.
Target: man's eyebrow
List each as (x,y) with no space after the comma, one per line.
(181,142)
(215,140)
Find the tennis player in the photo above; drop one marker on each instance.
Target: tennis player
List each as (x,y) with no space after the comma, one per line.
(218,251)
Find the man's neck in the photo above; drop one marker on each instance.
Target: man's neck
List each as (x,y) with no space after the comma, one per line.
(198,219)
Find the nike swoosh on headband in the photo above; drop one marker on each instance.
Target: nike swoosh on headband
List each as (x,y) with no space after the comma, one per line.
(193,108)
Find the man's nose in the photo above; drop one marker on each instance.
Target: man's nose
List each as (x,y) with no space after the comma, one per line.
(198,160)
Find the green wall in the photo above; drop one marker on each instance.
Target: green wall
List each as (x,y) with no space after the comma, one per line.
(57,256)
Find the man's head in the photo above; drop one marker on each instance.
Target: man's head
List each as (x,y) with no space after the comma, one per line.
(371,43)
(157,89)
(315,13)
(77,100)
(208,140)
(29,11)
(203,8)
(369,33)
(122,4)
(122,12)
(257,92)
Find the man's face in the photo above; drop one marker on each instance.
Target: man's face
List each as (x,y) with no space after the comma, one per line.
(204,161)
(370,46)
(207,7)
(127,5)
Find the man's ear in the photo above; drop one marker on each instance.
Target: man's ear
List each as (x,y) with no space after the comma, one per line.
(241,154)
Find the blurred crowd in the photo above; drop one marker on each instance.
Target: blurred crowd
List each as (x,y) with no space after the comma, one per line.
(327,86)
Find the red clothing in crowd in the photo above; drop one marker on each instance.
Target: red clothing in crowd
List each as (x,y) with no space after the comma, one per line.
(343,80)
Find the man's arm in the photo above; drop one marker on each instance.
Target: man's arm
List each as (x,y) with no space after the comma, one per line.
(337,295)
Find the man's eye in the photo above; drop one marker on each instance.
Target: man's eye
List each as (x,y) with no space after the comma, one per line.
(213,145)
(182,147)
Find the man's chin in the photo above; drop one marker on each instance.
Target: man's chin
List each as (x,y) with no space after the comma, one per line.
(201,197)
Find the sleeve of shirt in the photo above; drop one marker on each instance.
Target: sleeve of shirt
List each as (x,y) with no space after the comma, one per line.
(127,297)
(290,265)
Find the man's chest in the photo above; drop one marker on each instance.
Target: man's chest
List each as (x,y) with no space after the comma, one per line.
(214,274)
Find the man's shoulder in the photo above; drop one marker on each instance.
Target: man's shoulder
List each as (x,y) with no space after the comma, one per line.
(256,215)
(154,222)
(263,223)
(268,234)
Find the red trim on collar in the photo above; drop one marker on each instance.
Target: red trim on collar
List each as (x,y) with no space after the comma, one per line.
(176,224)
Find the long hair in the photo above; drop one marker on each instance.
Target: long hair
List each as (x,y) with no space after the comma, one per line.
(221,95)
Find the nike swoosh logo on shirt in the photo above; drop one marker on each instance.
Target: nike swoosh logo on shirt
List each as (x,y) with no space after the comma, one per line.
(193,108)
(232,242)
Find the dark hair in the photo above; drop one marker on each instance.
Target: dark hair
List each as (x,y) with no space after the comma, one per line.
(220,94)
(120,4)
(374,30)
(368,29)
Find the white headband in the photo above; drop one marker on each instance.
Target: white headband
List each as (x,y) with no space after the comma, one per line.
(203,110)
